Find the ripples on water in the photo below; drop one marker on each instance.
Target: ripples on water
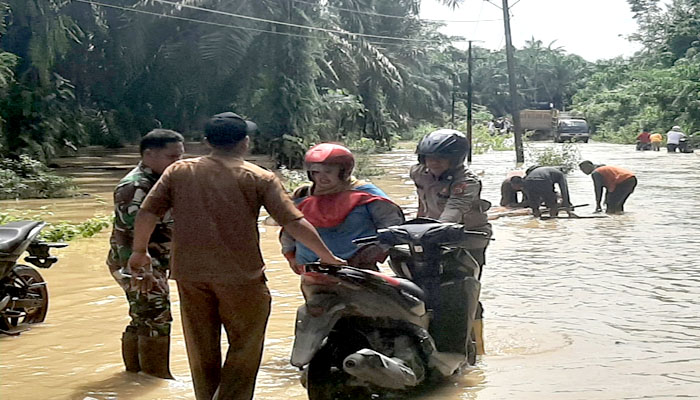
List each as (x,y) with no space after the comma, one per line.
(575,309)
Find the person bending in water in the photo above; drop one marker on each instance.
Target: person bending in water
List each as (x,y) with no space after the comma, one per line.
(619,184)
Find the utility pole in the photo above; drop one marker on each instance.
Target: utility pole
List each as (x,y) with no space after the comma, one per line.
(515,109)
(454,95)
(469,104)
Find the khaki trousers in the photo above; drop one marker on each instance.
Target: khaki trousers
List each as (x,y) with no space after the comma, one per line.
(243,311)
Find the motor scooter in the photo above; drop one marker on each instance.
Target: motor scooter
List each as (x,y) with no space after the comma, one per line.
(363,334)
(24,298)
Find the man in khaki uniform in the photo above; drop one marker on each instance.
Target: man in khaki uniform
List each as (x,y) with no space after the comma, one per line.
(216,257)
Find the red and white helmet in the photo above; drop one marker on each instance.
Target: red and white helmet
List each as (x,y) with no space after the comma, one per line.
(331,153)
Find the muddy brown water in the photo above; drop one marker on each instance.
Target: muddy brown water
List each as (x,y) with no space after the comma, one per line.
(575,309)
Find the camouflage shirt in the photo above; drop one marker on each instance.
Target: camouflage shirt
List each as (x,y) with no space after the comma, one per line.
(128,196)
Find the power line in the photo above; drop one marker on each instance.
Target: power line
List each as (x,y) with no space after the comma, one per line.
(138,11)
(312,28)
(446,21)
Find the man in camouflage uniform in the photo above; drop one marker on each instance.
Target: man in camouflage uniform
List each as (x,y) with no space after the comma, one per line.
(449,192)
(146,340)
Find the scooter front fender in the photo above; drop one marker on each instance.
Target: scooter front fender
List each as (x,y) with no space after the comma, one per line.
(310,332)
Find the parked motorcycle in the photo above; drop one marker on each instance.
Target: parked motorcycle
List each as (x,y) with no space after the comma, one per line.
(361,333)
(24,298)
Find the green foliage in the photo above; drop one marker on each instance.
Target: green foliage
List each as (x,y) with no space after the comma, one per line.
(66,231)
(25,177)
(417,132)
(566,156)
(657,89)
(61,231)
(293,178)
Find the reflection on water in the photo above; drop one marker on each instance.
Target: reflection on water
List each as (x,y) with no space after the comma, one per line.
(593,308)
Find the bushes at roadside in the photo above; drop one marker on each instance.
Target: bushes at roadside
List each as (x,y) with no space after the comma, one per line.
(62,231)
(567,156)
(25,178)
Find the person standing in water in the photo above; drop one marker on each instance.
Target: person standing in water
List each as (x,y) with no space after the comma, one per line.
(618,183)
(146,340)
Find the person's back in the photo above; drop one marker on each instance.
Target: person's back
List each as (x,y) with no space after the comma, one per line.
(674,137)
(644,137)
(216,203)
(539,184)
(216,258)
(618,183)
(612,176)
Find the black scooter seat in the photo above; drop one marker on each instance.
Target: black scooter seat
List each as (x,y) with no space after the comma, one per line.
(410,288)
(14,234)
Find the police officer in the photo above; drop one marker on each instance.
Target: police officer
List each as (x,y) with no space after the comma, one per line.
(449,192)
(146,340)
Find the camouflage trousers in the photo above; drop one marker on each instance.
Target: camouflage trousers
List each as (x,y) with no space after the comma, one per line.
(150,312)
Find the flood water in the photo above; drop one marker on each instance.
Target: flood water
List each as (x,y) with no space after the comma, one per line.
(603,308)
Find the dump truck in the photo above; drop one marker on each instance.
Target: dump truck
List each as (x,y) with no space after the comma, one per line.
(541,123)
(554,125)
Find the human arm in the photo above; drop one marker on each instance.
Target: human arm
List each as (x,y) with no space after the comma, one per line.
(289,245)
(414,173)
(385,214)
(140,260)
(598,185)
(464,192)
(280,206)
(152,209)
(302,230)
(560,179)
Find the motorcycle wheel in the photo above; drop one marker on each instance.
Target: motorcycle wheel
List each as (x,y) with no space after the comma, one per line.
(327,380)
(21,279)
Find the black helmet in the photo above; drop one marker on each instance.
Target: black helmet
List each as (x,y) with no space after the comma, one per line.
(445,143)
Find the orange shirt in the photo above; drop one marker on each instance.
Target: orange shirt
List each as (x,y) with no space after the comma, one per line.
(215,203)
(613,176)
(656,137)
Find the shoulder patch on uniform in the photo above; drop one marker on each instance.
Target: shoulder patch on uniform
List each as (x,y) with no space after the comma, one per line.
(459,188)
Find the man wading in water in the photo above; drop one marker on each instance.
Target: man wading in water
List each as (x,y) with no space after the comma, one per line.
(146,340)
(216,257)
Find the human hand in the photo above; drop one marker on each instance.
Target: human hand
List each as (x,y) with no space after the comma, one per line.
(296,267)
(333,260)
(144,282)
(139,261)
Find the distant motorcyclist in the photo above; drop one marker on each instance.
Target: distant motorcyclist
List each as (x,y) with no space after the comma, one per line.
(673,139)
(656,139)
(618,182)
(341,208)
(644,140)
(450,192)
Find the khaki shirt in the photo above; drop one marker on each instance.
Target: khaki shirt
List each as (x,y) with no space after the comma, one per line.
(452,197)
(216,203)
